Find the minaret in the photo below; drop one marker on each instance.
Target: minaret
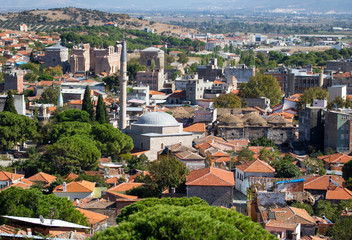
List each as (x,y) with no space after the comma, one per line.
(123,86)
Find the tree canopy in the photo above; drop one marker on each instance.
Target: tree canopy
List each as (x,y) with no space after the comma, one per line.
(195,221)
(16,128)
(72,154)
(310,94)
(263,142)
(285,168)
(87,104)
(51,94)
(73,115)
(101,113)
(347,170)
(33,203)
(262,85)
(229,100)
(10,103)
(167,172)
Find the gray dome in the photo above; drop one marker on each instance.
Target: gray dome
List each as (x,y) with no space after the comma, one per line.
(157,119)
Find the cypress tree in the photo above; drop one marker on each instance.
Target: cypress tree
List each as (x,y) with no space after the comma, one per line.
(101,114)
(10,103)
(87,104)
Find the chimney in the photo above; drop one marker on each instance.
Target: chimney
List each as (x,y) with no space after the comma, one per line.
(11,177)
(29,232)
(64,187)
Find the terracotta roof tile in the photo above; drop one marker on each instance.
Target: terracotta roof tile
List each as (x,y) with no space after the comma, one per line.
(7,176)
(71,176)
(81,186)
(123,187)
(121,195)
(339,193)
(322,182)
(256,166)
(197,127)
(210,176)
(11,230)
(336,158)
(93,217)
(42,177)
(133,177)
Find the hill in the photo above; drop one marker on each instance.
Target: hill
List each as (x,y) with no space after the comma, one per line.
(44,20)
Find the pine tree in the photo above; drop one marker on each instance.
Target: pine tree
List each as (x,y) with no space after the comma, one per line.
(101,114)
(87,104)
(10,103)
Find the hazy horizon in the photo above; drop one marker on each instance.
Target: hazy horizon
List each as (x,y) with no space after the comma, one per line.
(323,6)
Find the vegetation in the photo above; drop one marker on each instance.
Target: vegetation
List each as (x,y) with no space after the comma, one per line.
(182,219)
(87,104)
(262,86)
(310,94)
(339,102)
(246,155)
(341,230)
(33,203)
(10,104)
(101,115)
(284,168)
(73,115)
(15,128)
(347,171)
(50,95)
(229,100)
(263,142)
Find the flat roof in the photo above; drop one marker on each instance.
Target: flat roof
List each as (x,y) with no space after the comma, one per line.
(46,222)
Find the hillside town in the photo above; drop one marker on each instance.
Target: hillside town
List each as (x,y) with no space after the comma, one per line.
(243,122)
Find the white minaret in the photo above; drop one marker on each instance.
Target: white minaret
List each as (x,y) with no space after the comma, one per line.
(123,86)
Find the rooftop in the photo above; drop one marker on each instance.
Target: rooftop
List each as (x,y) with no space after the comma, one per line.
(211,176)
(157,119)
(257,166)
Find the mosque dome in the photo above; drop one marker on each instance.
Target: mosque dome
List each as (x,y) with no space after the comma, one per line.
(157,119)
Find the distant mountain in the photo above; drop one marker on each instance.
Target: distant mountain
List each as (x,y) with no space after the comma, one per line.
(323,6)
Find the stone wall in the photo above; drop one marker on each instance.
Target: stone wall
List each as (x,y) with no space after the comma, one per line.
(214,195)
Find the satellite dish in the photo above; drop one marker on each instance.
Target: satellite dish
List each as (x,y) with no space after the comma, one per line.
(41,218)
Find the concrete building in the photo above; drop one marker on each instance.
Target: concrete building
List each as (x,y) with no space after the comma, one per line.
(214,185)
(23,27)
(299,80)
(14,80)
(139,96)
(261,102)
(156,130)
(80,58)
(337,91)
(210,72)
(241,72)
(195,89)
(206,115)
(337,131)
(339,65)
(57,55)
(311,126)
(154,79)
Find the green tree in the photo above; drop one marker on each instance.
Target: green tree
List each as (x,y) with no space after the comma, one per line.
(183,58)
(67,129)
(51,94)
(87,104)
(72,154)
(167,172)
(101,114)
(10,103)
(229,100)
(192,222)
(33,203)
(110,140)
(310,94)
(305,206)
(98,179)
(112,82)
(284,168)
(341,230)
(15,128)
(246,155)
(133,68)
(328,209)
(30,77)
(53,71)
(263,142)
(262,85)
(151,202)
(72,115)
(347,170)
(45,77)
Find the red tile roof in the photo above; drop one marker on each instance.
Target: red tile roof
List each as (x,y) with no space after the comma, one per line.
(121,195)
(339,193)
(93,217)
(210,176)
(336,158)
(321,182)
(197,127)
(11,230)
(257,166)
(123,187)
(42,177)
(81,186)
(7,176)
